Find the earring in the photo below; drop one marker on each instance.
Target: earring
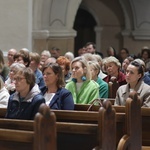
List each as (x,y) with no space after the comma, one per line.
(83,78)
(74,80)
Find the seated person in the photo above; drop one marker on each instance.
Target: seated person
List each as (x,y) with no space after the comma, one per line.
(82,87)
(9,84)
(56,96)
(4,94)
(23,57)
(113,70)
(134,74)
(65,65)
(25,102)
(34,63)
(103,86)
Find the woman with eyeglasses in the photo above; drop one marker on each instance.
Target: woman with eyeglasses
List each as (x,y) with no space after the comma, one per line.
(9,84)
(56,96)
(25,102)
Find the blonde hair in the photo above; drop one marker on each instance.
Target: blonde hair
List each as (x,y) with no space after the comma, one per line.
(95,65)
(98,57)
(85,65)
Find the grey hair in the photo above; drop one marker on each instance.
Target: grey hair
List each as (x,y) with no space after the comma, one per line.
(112,59)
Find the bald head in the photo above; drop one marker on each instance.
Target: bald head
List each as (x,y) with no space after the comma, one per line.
(10,56)
(50,60)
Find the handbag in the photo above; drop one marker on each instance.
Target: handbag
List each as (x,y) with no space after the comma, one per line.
(95,102)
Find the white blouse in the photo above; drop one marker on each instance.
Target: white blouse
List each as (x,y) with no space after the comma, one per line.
(48,97)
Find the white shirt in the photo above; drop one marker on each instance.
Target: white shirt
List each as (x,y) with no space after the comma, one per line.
(48,97)
(79,86)
(4,96)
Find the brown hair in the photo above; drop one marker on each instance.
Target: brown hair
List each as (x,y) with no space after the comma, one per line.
(58,71)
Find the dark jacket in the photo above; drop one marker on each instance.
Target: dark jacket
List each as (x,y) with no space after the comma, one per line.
(62,100)
(121,79)
(27,108)
(39,78)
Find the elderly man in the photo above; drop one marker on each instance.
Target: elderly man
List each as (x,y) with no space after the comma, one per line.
(10,56)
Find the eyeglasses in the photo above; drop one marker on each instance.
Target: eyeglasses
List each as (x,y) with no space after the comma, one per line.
(18,79)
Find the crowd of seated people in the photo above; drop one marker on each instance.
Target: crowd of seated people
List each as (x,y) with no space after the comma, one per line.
(65,80)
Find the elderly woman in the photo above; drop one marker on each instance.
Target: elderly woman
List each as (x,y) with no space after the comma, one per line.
(9,84)
(82,87)
(25,102)
(56,96)
(134,74)
(113,70)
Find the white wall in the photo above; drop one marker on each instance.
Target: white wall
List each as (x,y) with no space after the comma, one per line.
(16,24)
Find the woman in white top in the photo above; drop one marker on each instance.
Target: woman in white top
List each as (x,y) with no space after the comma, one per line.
(4,95)
(9,84)
(56,96)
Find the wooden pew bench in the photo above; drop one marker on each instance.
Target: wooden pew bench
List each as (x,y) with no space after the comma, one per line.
(29,135)
(82,115)
(76,135)
(90,117)
(133,136)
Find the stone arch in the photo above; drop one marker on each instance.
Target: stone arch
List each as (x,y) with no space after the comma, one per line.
(127,12)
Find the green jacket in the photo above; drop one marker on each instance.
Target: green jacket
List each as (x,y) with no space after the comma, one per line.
(88,92)
(103,89)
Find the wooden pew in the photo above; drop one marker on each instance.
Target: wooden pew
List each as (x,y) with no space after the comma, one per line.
(90,117)
(40,135)
(113,86)
(92,106)
(133,137)
(78,135)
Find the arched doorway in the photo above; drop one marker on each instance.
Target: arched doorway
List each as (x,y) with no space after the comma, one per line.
(84,25)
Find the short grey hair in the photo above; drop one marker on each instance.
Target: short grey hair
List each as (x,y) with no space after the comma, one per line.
(46,52)
(112,59)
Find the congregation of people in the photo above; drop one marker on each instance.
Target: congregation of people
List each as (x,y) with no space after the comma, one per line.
(28,79)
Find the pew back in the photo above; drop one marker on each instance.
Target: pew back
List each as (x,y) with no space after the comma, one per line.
(32,135)
(79,133)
